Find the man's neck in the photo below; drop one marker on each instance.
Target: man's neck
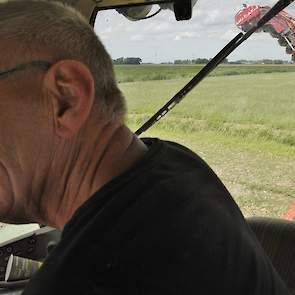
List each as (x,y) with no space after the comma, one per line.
(85,167)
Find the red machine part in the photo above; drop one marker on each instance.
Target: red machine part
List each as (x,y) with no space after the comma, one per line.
(281,26)
(290,214)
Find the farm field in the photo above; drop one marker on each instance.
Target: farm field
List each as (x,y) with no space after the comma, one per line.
(240,120)
(133,73)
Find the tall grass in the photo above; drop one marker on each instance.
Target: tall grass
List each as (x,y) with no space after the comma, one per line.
(133,73)
(253,106)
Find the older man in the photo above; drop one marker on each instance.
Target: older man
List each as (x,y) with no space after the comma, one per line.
(138,216)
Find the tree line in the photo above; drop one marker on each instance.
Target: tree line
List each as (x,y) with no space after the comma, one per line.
(261,61)
(237,62)
(138,61)
(127,61)
(193,61)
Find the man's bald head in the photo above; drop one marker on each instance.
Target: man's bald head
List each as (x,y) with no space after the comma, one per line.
(53,31)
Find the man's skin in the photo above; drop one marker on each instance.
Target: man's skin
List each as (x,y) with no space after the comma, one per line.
(56,149)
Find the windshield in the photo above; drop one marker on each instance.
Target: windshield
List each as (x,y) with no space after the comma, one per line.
(240,119)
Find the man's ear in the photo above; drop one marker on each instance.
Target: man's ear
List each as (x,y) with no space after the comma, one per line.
(70,85)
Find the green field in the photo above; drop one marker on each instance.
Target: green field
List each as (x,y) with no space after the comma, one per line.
(240,120)
(133,73)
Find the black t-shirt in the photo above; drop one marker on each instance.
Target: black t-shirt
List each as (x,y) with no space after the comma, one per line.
(166,226)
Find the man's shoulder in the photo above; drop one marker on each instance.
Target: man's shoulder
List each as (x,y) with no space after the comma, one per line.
(171,148)
(179,170)
(174,158)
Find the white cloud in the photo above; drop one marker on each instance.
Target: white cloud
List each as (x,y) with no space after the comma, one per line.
(185,35)
(212,17)
(158,28)
(104,37)
(229,34)
(136,37)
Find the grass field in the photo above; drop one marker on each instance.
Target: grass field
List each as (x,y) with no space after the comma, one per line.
(132,73)
(240,120)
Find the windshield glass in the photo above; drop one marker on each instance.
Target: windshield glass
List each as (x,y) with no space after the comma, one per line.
(240,119)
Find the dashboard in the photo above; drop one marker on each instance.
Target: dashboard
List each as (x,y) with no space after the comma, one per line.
(28,241)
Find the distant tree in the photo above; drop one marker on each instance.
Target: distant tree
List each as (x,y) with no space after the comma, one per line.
(201,61)
(132,61)
(119,61)
(182,62)
(127,61)
(278,62)
(267,61)
(243,61)
(261,61)
(178,62)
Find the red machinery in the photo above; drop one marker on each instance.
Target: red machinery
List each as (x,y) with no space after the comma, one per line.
(282,26)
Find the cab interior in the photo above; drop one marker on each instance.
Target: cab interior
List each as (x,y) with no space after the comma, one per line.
(275,232)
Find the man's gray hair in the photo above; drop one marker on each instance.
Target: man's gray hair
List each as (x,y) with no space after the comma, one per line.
(63,33)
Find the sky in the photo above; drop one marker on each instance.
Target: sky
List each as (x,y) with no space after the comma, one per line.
(163,39)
